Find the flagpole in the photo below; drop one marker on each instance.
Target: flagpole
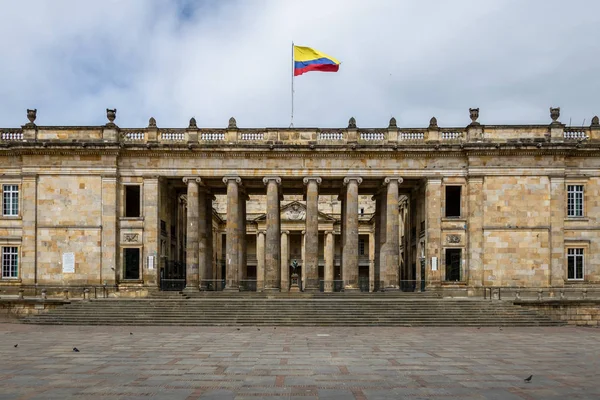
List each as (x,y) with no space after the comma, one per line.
(292,118)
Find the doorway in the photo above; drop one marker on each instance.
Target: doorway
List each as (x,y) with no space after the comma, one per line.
(453,260)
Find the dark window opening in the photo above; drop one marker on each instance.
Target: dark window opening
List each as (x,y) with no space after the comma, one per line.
(131,258)
(453,258)
(361,247)
(132,201)
(452,201)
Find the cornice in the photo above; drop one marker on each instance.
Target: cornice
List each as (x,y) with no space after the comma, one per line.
(301,151)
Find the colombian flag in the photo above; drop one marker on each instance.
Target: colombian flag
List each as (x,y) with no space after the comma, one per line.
(307,59)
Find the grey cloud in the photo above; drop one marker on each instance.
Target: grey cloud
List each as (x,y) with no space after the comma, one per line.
(412,60)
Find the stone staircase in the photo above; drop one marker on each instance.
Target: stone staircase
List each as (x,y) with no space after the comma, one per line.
(284,309)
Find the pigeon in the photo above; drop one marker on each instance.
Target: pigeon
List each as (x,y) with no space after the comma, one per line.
(258,329)
(16,344)
(75,349)
(238,329)
(130,333)
(528,379)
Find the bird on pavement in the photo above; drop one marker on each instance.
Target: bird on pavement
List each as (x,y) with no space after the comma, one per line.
(75,349)
(528,379)
(16,344)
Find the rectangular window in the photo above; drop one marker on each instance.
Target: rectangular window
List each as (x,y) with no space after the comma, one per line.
(453,259)
(575,200)
(575,263)
(131,258)
(10,262)
(361,247)
(132,201)
(453,201)
(10,200)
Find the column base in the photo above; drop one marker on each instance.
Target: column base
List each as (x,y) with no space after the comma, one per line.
(231,289)
(391,289)
(191,289)
(352,289)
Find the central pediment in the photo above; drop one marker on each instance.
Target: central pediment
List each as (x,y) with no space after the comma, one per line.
(295,211)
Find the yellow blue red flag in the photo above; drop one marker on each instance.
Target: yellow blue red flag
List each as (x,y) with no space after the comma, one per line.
(307,59)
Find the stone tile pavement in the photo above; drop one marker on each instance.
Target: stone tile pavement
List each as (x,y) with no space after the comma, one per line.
(301,363)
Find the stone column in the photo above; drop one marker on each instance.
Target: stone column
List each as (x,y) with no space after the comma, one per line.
(475,231)
(28,260)
(273,235)
(392,234)
(350,251)
(342,199)
(372,261)
(379,259)
(285,261)
(260,261)
(557,223)
(311,239)
(232,244)
(329,258)
(192,279)
(207,273)
(242,257)
(433,230)
(203,236)
(109,230)
(151,204)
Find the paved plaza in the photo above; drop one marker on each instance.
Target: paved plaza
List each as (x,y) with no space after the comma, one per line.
(304,363)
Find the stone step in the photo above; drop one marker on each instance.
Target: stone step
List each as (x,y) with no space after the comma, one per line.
(302,311)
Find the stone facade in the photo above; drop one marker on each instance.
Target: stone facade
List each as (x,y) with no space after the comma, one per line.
(358,209)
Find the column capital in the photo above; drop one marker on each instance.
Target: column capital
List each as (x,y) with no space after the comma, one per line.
(349,179)
(307,179)
(303,232)
(261,232)
(234,178)
(285,233)
(329,232)
(389,179)
(188,179)
(277,180)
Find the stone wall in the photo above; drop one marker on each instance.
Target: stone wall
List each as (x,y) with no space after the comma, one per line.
(574,312)
(516,224)
(69,219)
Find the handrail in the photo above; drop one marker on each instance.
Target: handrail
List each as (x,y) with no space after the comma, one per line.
(542,292)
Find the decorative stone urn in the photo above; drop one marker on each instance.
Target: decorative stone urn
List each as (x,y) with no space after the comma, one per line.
(31,115)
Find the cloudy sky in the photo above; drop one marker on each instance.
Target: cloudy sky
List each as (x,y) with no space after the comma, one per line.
(214,59)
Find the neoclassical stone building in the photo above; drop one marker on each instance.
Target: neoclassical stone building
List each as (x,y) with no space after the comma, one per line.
(357,209)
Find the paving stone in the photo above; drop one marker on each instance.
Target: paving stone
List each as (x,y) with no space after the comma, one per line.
(365,363)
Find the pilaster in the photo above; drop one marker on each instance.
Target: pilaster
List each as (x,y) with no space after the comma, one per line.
(433,235)
(109,230)
(557,221)
(29,241)
(475,231)
(151,231)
